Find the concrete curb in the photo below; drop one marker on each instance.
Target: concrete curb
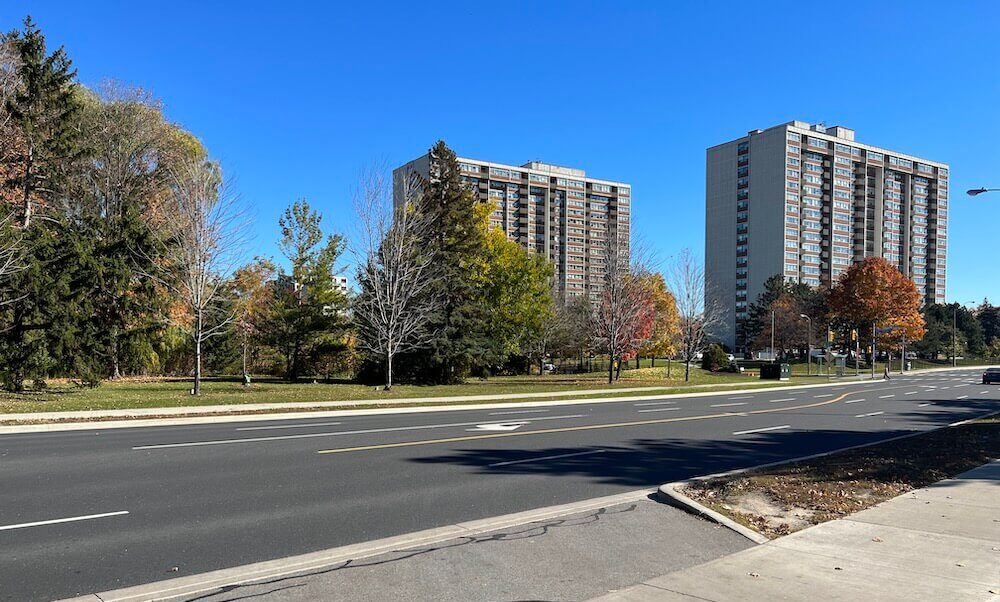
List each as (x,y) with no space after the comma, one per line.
(670,494)
(271,569)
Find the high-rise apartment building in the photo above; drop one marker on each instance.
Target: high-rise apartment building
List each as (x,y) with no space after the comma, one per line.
(806,201)
(556,211)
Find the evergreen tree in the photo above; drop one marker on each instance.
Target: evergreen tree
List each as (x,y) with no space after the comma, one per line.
(307,314)
(458,241)
(44,111)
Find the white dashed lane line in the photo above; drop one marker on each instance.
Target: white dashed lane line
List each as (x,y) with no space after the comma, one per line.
(826,395)
(655,403)
(782,399)
(869,414)
(923,405)
(962,397)
(886,396)
(854,401)
(727,405)
(911,393)
(762,430)
(659,410)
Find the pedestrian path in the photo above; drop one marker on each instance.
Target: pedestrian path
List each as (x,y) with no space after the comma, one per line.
(937,543)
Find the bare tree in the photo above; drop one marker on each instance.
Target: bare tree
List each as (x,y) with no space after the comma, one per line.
(697,317)
(203,245)
(394,269)
(622,318)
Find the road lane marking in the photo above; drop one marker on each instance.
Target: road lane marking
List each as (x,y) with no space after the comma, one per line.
(287,426)
(911,393)
(965,385)
(543,458)
(498,426)
(741,397)
(62,520)
(944,388)
(727,405)
(763,430)
(334,434)
(585,427)
(983,392)
(886,396)
(869,414)
(782,399)
(517,412)
(825,395)
(962,397)
(655,403)
(854,401)
(658,410)
(923,405)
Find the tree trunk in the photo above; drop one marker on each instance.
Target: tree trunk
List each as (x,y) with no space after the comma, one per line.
(115,367)
(687,369)
(611,369)
(668,367)
(652,361)
(246,352)
(638,360)
(27,186)
(197,356)
(618,370)
(388,371)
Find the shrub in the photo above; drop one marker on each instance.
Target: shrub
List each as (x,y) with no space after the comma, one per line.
(714,359)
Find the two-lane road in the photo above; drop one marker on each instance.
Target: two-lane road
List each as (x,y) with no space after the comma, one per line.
(93,510)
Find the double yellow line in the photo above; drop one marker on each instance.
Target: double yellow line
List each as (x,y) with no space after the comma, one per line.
(587,427)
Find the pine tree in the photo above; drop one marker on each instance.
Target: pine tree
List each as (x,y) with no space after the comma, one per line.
(306,319)
(45,113)
(457,237)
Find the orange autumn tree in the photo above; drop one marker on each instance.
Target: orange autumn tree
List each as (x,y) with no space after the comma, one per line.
(875,292)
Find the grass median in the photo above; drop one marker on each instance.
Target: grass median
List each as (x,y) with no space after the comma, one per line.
(782,499)
(171,393)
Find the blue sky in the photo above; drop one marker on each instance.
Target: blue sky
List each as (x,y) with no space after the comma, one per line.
(295,98)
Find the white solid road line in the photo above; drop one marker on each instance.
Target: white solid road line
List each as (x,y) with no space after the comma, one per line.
(655,403)
(886,396)
(62,520)
(333,434)
(782,399)
(518,412)
(286,426)
(763,430)
(854,401)
(727,405)
(826,395)
(659,410)
(543,458)
(869,414)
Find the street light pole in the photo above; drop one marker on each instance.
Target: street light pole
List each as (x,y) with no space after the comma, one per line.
(978,191)
(954,336)
(809,340)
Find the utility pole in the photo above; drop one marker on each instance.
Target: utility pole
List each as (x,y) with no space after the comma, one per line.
(954,336)
(774,356)
(809,340)
(874,336)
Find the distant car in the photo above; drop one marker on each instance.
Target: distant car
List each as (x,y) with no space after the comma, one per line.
(549,368)
(991,375)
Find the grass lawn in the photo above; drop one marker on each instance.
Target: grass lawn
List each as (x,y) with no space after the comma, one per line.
(782,499)
(162,393)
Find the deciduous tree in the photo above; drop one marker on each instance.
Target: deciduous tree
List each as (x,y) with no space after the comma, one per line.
(697,316)
(875,292)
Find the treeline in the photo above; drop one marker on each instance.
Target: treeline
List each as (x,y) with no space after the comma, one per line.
(122,253)
(871,294)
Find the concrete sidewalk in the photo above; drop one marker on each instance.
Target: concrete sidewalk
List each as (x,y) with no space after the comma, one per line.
(935,544)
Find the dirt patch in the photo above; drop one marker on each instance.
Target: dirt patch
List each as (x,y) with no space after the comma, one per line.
(783,499)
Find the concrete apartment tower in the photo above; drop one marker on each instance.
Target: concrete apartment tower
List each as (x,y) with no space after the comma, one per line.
(806,201)
(556,211)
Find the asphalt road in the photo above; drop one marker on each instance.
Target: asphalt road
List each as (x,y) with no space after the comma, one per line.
(160,502)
